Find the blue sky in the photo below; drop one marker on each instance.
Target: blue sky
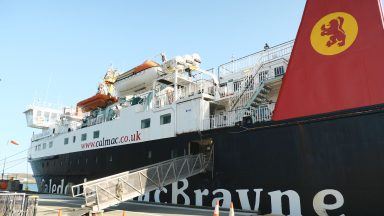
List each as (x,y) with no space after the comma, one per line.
(59,50)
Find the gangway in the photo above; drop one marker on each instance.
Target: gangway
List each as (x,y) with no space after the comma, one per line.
(111,190)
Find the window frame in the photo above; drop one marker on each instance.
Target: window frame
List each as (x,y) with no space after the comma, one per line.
(162,117)
(279,71)
(83,137)
(96,132)
(144,123)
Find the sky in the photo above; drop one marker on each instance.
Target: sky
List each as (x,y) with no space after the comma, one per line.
(58,51)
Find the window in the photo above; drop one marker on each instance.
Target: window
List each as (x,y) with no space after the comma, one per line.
(263,76)
(39,147)
(83,137)
(74,139)
(279,70)
(165,119)
(237,85)
(66,141)
(44,145)
(149,154)
(36,148)
(145,123)
(50,144)
(96,134)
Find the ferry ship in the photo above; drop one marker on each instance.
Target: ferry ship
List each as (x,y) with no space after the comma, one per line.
(294,129)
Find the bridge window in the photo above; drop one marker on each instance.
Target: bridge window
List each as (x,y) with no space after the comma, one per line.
(165,119)
(149,154)
(44,145)
(66,141)
(50,144)
(74,139)
(83,137)
(145,123)
(279,71)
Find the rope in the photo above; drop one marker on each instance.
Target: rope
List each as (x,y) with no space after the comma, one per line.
(1,160)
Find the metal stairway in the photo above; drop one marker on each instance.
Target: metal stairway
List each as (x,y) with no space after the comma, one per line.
(256,98)
(108,191)
(248,85)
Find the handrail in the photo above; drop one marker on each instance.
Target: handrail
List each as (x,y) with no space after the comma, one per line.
(228,119)
(253,84)
(263,55)
(110,190)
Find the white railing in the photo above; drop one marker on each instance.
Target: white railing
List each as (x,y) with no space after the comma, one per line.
(42,135)
(164,99)
(197,88)
(18,204)
(200,87)
(96,120)
(229,119)
(250,61)
(262,113)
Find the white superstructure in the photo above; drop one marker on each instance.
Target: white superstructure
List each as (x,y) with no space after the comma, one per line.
(161,101)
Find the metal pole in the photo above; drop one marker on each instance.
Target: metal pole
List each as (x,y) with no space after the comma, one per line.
(5,158)
(175,88)
(2,174)
(27,186)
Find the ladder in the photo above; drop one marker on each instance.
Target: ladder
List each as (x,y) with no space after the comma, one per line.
(111,190)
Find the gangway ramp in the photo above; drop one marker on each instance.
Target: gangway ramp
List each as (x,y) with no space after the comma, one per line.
(111,190)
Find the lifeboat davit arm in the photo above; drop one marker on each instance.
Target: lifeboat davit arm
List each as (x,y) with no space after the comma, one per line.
(214,78)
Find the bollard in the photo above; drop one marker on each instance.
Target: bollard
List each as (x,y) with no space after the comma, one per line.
(231,210)
(216,212)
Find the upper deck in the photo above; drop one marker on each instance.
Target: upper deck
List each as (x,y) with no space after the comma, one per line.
(184,96)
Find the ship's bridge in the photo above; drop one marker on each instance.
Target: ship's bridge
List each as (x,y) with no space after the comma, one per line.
(41,115)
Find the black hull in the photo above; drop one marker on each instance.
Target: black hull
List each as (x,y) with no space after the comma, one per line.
(341,153)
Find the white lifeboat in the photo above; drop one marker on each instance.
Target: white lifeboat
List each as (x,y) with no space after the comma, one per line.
(137,78)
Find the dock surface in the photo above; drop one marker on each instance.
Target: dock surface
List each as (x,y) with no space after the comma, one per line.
(49,205)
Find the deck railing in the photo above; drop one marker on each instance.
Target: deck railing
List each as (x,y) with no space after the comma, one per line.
(227,119)
(252,60)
